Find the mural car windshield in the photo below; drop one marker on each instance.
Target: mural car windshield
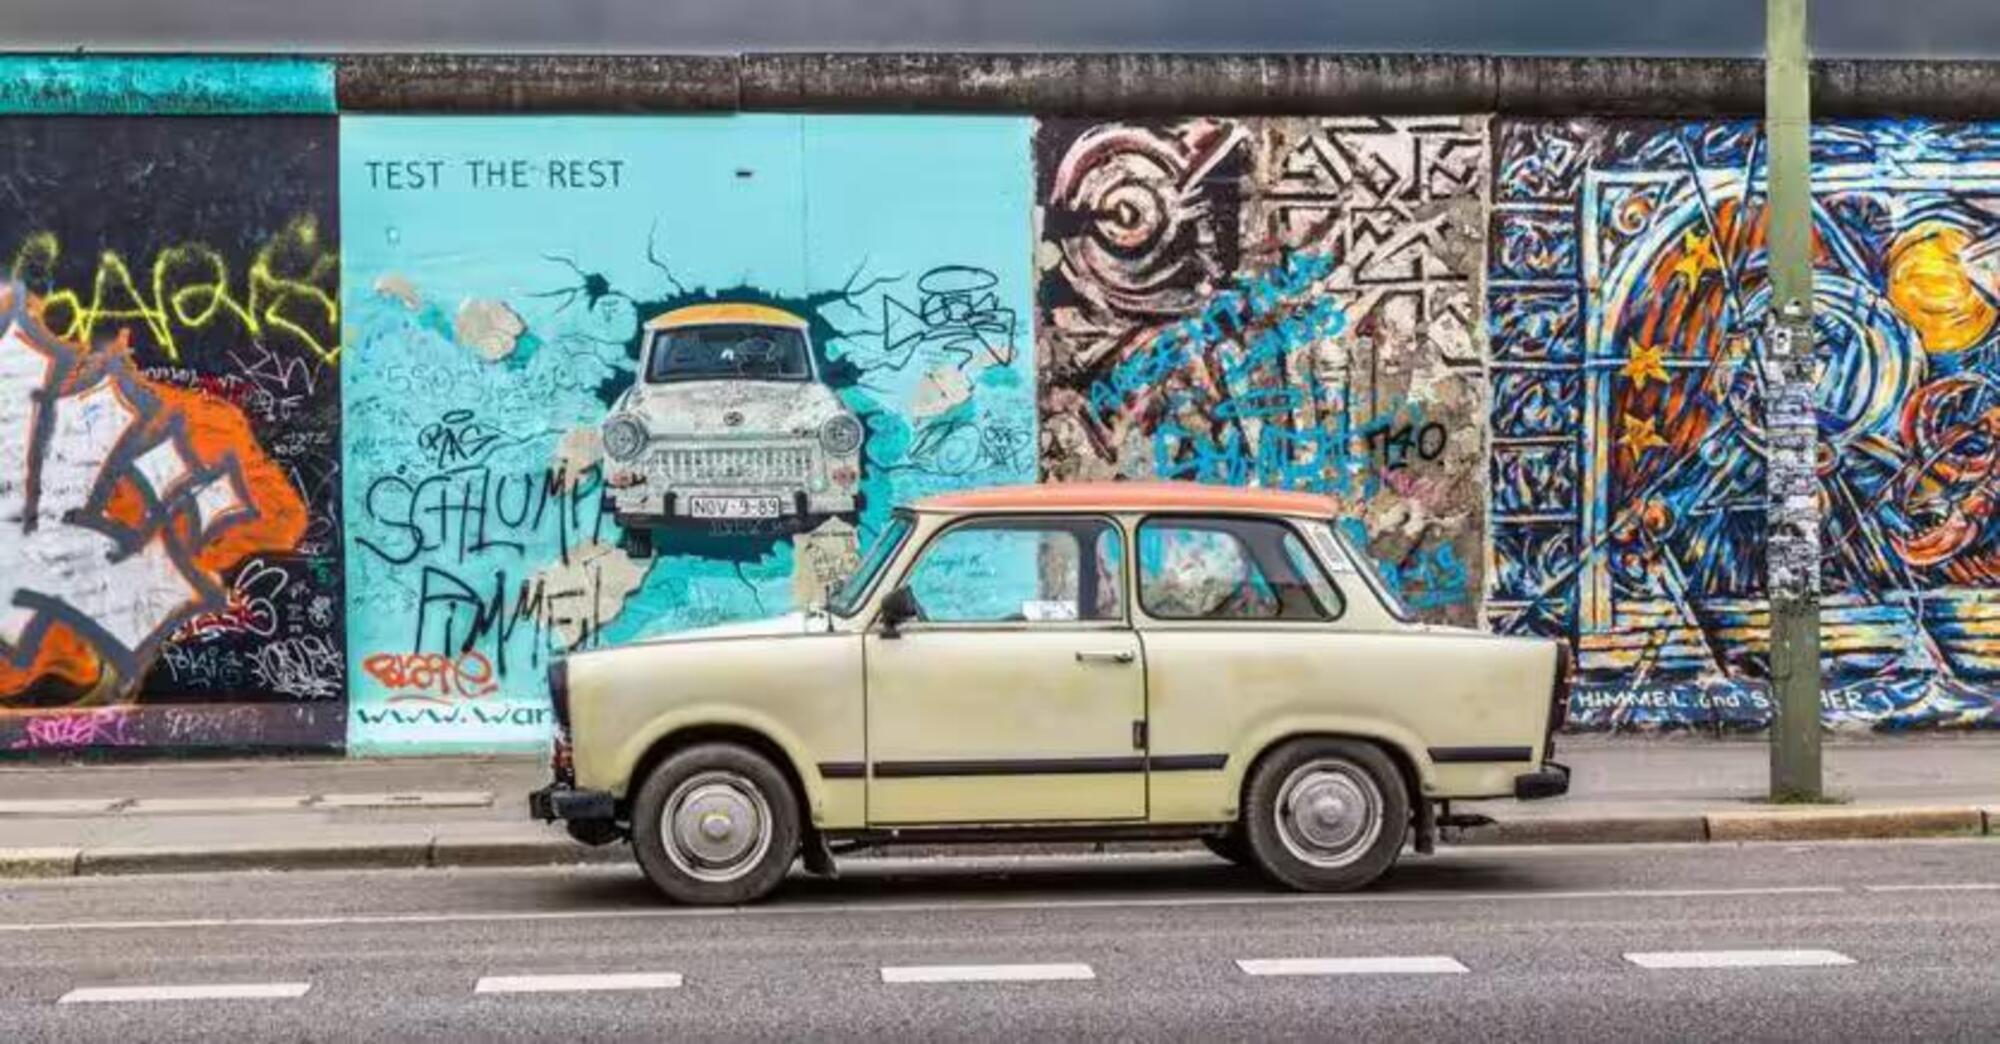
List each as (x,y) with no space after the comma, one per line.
(729,351)
(1377,577)
(848,598)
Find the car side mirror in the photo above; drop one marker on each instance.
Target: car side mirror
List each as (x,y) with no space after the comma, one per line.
(898,607)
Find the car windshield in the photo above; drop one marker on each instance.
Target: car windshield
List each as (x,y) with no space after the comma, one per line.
(1357,553)
(848,598)
(729,351)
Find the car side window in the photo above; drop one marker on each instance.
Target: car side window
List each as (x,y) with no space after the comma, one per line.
(1026,571)
(1110,569)
(1226,568)
(1301,559)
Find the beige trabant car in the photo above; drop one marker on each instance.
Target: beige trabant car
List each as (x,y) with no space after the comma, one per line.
(1084,662)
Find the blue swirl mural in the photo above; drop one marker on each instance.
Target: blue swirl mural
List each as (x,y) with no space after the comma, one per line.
(1627,300)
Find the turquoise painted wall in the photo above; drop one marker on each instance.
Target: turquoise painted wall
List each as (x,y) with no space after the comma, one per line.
(496,275)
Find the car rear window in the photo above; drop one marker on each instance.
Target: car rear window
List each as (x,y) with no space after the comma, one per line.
(1226,568)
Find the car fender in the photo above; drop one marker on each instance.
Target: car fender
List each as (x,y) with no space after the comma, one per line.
(1276,730)
(820,401)
(711,715)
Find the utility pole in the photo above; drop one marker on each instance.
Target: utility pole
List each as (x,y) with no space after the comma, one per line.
(1791,427)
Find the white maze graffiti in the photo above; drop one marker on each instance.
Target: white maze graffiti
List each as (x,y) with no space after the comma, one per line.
(63,452)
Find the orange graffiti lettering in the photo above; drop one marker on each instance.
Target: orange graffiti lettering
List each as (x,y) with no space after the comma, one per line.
(433,677)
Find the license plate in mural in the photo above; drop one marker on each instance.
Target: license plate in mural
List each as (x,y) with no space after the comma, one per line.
(735,507)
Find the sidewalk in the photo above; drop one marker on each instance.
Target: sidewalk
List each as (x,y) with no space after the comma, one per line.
(1636,789)
(58,820)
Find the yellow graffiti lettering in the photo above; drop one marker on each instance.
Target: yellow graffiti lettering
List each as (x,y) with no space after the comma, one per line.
(287,292)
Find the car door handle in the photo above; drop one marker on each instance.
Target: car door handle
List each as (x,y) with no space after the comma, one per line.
(1121,656)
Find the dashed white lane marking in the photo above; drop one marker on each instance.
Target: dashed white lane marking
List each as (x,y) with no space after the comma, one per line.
(212,991)
(578,983)
(782,909)
(1672,959)
(1975,886)
(1353,966)
(924,973)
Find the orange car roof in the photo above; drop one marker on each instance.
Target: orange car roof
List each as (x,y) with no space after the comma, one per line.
(1131,496)
(705,314)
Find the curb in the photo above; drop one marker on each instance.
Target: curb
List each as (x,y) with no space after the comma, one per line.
(492,852)
(1769,823)
(39,862)
(332,855)
(1844,824)
(1607,830)
(446,850)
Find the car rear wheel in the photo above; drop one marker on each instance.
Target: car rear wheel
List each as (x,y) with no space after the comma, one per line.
(716,824)
(1325,815)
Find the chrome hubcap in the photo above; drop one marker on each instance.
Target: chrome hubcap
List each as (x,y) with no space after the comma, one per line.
(717,826)
(1329,813)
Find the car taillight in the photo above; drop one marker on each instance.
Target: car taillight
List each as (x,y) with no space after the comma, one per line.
(559,690)
(1559,694)
(561,763)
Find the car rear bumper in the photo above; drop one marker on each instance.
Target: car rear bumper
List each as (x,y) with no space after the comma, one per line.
(1551,780)
(557,801)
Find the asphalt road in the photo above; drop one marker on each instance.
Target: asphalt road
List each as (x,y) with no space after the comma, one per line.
(1875,941)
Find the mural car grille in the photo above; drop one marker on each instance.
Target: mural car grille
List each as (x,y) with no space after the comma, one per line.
(736,466)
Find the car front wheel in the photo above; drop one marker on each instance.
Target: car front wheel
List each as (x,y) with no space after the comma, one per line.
(1325,815)
(716,824)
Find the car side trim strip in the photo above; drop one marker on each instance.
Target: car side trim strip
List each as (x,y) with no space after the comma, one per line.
(1187,762)
(1472,755)
(1024,766)
(1009,767)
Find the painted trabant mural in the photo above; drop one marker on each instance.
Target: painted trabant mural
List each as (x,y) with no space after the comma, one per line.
(729,421)
(1094,659)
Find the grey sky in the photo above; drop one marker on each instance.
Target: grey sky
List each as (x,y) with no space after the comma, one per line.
(1943,28)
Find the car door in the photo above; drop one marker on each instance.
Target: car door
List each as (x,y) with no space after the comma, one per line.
(1243,633)
(1018,694)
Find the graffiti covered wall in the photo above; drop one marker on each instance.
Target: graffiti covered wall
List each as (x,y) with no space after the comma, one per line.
(1291,303)
(1628,298)
(169,501)
(586,380)
(803,320)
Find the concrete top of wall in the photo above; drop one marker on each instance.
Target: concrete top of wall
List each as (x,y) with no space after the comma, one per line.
(1094,84)
(1151,84)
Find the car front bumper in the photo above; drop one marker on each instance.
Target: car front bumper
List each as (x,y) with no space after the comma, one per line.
(559,801)
(1551,780)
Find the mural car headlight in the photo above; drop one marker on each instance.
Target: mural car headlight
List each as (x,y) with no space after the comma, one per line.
(624,437)
(840,434)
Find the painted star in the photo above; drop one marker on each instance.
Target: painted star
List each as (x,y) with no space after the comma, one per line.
(1644,363)
(1639,436)
(1697,256)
